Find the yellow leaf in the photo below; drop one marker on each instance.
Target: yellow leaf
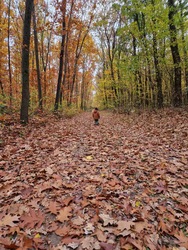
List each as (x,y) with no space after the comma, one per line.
(89,158)
(37,236)
(138,204)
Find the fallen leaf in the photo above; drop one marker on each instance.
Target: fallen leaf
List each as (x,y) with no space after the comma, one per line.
(64,214)
(100,235)
(78,221)
(89,243)
(63,231)
(107,246)
(9,220)
(49,170)
(183,240)
(37,236)
(73,245)
(53,207)
(123,224)
(89,158)
(138,203)
(89,228)
(107,220)
(32,219)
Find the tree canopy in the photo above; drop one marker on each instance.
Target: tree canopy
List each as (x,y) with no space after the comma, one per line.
(121,54)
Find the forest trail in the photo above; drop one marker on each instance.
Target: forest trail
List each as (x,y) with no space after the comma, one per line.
(68,184)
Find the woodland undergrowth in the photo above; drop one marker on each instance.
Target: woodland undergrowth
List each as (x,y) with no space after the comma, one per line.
(68,184)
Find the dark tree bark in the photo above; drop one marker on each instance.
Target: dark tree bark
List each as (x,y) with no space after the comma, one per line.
(177,91)
(66,68)
(25,62)
(111,47)
(158,73)
(58,91)
(2,90)
(37,59)
(82,106)
(156,63)
(138,74)
(9,57)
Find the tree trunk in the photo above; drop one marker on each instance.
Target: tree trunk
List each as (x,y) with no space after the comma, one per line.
(25,62)
(158,73)
(58,91)
(156,63)
(82,90)
(44,55)
(111,55)
(185,54)
(9,57)
(66,68)
(37,59)
(2,90)
(177,91)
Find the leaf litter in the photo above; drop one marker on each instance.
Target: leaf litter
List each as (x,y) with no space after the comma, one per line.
(67,184)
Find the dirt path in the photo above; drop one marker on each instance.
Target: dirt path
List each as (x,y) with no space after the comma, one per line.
(71,185)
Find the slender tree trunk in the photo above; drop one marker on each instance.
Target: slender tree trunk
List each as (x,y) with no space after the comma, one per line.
(177,91)
(65,81)
(111,54)
(2,90)
(58,91)
(158,73)
(185,54)
(137,77)
(37,59)
(45,60)
(186,66)
(9,57)
(82,90)
(73,80)
(79,47)
(25,62)
(156,63)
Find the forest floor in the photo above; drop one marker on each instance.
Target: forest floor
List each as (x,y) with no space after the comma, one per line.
(67,184)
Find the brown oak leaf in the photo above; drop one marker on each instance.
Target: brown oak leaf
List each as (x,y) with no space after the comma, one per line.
(34,218)
(63,231)
(107,220)
(64,214)
(100,235)
(123,224)
(9,220)
(107,246)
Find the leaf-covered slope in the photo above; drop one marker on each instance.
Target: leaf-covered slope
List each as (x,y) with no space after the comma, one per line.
(71,185)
